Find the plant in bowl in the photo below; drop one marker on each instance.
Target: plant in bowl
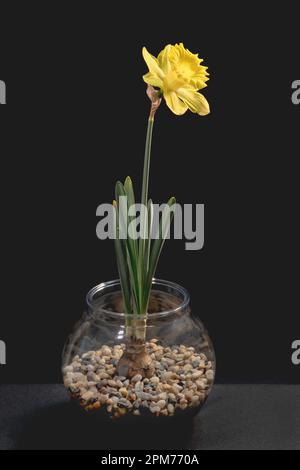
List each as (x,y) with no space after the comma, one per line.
(139,349)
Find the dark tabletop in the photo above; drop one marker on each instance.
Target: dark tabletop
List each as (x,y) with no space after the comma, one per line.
(234,417)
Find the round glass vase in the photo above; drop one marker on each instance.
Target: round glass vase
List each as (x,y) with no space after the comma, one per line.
(158,365)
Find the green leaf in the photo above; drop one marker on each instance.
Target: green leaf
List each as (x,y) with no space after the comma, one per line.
(148,241)
(121,254)
(129,243)
(158,243)
(128,187)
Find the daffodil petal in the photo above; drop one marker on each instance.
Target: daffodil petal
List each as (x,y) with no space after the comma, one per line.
(153,65)
(164,59)
(196,102)
(175,104)
(153,80)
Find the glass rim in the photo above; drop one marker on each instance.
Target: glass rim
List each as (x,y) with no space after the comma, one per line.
(155,282)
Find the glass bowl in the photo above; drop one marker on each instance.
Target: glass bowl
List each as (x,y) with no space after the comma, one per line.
(157,366)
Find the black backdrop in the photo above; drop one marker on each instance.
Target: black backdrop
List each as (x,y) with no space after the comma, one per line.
(75,122)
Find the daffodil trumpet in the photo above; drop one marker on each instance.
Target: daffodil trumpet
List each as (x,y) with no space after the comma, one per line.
(176,75)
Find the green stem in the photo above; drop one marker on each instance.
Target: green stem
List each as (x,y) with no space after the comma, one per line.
(147,160)
(136,328)
(145,187)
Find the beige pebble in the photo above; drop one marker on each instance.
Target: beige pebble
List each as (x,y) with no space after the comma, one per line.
(163,396)
(123,391)
(170,362)
(103,375)
(103,398)
(139,386)
(87,396)
(187,367)
(86,355)
(201,384)
(106,351)
(68,381)
(161,404)
(179,357)
(169,376)
(132,396)
(158,356)
(189,395)
(81,384)
(136,378)
(112,383)
(196,375)
(154,409)
(171,408)
(210,375)
(154,380)
(78,377)
(166,387)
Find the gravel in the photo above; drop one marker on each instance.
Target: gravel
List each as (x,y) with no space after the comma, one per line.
(183,378)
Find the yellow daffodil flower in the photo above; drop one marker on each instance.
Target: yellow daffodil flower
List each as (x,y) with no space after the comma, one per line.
(179,75)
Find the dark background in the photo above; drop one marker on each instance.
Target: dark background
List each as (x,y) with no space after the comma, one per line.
(75,122)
